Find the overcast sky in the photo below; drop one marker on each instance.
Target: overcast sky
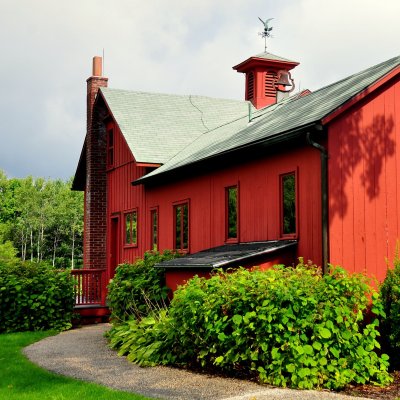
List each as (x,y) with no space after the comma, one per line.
(173,46)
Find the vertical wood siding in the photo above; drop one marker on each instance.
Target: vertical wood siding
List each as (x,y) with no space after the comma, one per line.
(259,208)
(364,183)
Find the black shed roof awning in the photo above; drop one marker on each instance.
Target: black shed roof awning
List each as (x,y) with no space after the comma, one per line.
(229,255)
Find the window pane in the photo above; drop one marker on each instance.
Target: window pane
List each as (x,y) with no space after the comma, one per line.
(134,227)
(289,204)
(110,138)
(128,229)
(185,233)
(178,221)
(232,212)
(154,229)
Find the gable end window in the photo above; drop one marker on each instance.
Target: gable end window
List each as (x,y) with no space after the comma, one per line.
(131,228)
(110,148)
(231,212)
(288,206)
(181,227)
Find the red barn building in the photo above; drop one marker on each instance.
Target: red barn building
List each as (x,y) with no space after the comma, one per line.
(252,182)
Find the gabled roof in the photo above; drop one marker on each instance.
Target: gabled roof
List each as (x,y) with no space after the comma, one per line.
(277,121)
(262,58)
(158,126)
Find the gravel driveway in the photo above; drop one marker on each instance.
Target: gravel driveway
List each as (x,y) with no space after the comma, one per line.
(83,353)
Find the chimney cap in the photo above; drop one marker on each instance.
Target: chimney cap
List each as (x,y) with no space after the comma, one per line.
(97,66)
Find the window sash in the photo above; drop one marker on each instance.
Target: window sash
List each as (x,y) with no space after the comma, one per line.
(181,227)
(288,204)
(131,228)
(231,200)
(154,229)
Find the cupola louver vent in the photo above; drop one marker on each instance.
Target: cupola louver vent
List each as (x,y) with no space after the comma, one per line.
(270,90)
(250,86)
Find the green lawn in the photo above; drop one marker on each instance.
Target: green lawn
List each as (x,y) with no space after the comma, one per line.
(22,380)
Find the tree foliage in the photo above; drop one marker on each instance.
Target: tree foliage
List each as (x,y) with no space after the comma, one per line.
(42,219)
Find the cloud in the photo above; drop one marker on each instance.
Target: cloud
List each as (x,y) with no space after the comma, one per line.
(173,47)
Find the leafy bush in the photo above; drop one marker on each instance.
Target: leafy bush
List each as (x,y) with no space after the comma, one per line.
(390,294)
(147,342)
(290,326)
(137,287)
(34,297)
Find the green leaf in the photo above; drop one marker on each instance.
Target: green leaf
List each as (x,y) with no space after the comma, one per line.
(325,333)
(237,319)
(317,346)
(308,349)
(291,368)
(334,351)
(323,361)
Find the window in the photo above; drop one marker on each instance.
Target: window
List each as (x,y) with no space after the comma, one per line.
(288,204)
(181,227)
(231,207)
(131,228)
(154,229)
(110,148)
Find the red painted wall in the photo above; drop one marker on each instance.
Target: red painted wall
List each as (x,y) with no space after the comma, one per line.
(259,214)
(364,182)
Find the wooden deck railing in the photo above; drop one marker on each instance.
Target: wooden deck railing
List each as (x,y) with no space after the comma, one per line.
(90,287)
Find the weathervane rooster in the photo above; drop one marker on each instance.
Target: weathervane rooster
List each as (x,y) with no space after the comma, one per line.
(267,31)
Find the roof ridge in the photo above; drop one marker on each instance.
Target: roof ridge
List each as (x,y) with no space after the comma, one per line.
(108,89)
(270,108)
(280,121)
(376,66)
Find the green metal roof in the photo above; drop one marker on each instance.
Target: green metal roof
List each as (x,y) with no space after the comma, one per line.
(276,120)
(158,126)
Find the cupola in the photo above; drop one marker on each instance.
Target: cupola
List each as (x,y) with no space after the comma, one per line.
(268,78)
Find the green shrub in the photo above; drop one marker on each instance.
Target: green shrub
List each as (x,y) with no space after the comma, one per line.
(390,294)
(290,326)
(147,341)
(34,297)
(137,288)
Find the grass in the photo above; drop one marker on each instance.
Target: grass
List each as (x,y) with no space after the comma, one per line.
(22,380)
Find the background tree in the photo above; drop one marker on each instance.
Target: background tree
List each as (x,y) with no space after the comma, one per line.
(43,219)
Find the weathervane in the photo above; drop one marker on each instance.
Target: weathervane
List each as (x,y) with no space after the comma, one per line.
(267,31)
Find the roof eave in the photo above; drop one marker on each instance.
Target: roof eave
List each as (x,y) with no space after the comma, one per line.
(79,181)
(272,140)
(256,62)
(230,262)
(361,95)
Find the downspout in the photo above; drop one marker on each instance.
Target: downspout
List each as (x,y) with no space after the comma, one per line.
(324,200)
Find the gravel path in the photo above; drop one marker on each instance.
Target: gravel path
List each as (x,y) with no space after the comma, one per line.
(83,354)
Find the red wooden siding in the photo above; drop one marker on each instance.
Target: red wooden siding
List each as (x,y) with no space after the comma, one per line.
(364,183)
(259,216)
(122,197)
(259,202)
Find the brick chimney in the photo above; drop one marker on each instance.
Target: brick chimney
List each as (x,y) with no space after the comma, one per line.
(96,182)
(263,73)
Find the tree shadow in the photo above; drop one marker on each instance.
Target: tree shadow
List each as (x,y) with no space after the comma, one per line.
(364,150)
